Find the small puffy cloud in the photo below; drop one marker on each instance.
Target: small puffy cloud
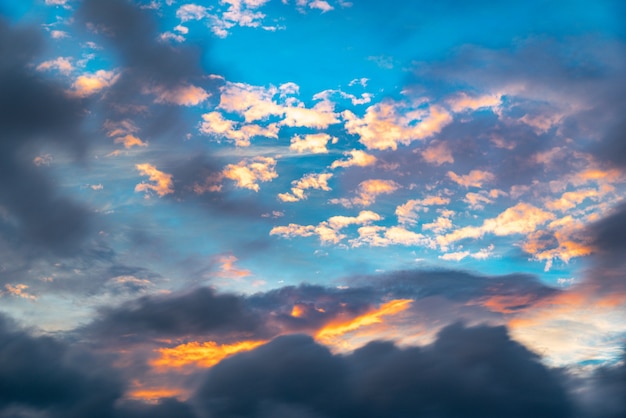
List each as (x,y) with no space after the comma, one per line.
(319,116)
(355,158)
(380,236)
(313,143)
(88,84)
(474,178)
(327,231)
(310,181)
(59,34)
(56,2)
(183,95)
(124,132)
(215,124)
(570,200)
(407,212)
(390,123)
(18,290)
(130,141)
(438,153)
(249,172)
(162,183)
(44,159)
(522,218)
(259,103)
(456,256)
(320,5)
(367,192)
(228,268)
(476,200)
(62,64)
(462,102)
(188,12)
(171,36)
(252,102)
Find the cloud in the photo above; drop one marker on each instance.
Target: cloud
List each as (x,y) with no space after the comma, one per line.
(200,312)
(407,212)
(89,84)
(438,153)
(312,143)
(309,181)
(475,371)
(260,103)
(248,173)
(356,158)
(18,290)
(183,94)
(215,124)
(367,192)
(328,231)
(474,178)
(62,64)
(522,218)
(163,181)
(188,12)
(37,114)
(462,102)
(389,123)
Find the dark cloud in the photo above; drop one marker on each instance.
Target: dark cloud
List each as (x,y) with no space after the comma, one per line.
(200,312)
(43,374)
(146,64)
(608,237)
(36,113)
(470,372)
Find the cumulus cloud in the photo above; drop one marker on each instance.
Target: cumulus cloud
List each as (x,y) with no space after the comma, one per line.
(312,143)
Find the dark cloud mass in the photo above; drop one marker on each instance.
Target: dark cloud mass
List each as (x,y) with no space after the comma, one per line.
(195,313)
(467,372)
(36,112)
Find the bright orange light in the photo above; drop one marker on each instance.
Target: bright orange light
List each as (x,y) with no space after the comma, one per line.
(154,394)
(201,354)
(338,328)
(297,311)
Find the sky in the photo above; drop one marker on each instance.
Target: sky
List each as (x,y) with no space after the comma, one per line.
(312,208)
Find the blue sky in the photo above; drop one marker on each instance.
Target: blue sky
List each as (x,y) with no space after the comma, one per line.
(352,171)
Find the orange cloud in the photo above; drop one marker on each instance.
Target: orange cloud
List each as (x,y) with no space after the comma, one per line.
(199,354)
(163,181)
(130,141)
(61,64)
(19,290)
(335,329)
(88,84)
